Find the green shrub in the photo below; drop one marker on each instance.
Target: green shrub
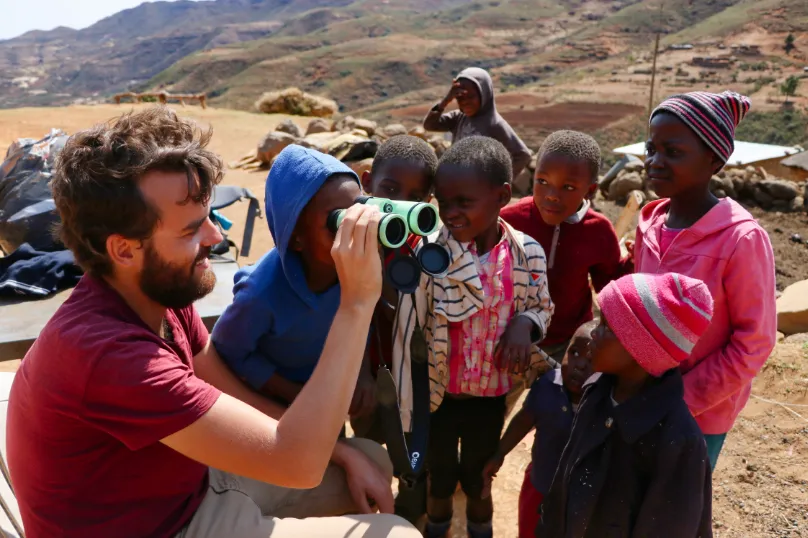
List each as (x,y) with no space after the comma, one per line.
(784,127)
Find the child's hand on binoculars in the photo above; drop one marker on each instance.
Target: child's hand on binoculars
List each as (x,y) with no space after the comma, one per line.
(356,256)
(515,346)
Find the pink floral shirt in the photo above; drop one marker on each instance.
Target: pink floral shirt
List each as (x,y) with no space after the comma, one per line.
(472,342)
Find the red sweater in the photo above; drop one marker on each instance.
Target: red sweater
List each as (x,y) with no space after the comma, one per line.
(589,247)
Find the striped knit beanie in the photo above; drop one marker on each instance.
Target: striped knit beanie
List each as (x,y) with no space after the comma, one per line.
(712,116)
(657,318)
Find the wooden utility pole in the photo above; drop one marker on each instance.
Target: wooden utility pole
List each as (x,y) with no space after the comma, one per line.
(654,65)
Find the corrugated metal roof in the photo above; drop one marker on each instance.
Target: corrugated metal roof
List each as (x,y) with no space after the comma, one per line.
(745,152)
(799,160)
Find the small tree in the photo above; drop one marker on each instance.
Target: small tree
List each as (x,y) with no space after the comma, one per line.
(789,87)
(789,46)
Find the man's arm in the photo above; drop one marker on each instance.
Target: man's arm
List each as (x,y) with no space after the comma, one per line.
(294,451)
(209,367)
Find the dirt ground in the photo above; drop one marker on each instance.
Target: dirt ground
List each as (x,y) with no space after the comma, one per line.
(791,256)
(761,483)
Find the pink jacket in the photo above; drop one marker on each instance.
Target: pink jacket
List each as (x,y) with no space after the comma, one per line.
(732,254)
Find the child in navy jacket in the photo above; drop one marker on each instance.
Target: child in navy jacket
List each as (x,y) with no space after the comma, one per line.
(550,407)
(636,463)
(273,333)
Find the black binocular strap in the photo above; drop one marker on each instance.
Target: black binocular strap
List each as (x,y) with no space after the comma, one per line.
(253,211)
(408,458)
(226,195)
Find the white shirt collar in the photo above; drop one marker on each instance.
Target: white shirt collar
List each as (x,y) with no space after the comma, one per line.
(557,380)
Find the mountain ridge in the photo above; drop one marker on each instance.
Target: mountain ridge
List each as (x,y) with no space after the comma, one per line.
(378,55)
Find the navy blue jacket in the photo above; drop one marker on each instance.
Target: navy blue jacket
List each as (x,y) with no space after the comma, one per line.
(551,410)
(34,273)
(639,469)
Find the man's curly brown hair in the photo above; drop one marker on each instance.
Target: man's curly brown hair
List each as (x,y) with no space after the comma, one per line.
(95,184)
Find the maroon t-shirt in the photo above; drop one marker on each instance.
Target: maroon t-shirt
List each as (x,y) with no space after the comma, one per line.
(88,407)
(586,248)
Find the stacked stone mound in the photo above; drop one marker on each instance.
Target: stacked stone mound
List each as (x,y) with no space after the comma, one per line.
(354,141)
(754,187)
(751,186)
(296,102)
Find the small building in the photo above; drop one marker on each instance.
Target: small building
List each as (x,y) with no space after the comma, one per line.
(798,164)
(746,50)
(712,62)
(766,156)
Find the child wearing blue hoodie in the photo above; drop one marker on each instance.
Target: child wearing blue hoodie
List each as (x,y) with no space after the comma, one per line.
(273,333)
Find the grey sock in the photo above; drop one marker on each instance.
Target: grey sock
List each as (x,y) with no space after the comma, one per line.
(480,530)
(437,529)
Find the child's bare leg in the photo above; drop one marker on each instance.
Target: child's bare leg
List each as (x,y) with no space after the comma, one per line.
(479,513)
(480,510)
(439,510)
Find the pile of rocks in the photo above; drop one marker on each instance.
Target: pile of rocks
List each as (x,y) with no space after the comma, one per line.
(751,186)
(353,141)
(755,187)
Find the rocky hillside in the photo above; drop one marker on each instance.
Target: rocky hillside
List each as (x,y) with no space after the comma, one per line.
(553,61)
(127,49)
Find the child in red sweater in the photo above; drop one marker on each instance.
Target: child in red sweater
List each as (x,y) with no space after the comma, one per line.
(578,241)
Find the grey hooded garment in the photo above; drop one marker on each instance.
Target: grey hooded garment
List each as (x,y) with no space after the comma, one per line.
(487,122)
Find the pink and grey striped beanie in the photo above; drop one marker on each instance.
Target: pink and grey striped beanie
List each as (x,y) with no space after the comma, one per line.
(712,116)
(657,318)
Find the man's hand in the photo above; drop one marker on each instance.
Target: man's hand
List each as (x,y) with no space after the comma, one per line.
(364,397)
(490,471)
(366,481)
(356,256)
(515,346)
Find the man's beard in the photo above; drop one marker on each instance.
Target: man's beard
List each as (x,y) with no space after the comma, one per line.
(174,286)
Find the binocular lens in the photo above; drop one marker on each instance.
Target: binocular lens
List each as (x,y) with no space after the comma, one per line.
(392,228)
(427,220)
(392,231)
(434,260)
(403,273)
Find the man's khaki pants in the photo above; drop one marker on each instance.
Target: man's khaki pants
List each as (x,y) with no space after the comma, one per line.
(238,507)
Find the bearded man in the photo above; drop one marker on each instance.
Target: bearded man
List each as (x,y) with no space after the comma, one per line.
(123,421)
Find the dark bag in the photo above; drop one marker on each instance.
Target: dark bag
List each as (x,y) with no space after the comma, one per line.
(227,195)
(27,212)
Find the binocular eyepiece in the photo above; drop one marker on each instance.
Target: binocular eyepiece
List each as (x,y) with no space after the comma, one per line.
(399,220)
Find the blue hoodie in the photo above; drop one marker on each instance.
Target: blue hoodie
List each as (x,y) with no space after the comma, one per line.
(276,323)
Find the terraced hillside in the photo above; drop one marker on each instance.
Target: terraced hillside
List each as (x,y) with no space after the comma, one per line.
(555,62)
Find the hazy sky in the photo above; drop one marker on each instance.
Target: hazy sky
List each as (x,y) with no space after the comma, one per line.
(20,16)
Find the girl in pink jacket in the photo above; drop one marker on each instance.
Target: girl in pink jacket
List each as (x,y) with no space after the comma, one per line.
(717,241)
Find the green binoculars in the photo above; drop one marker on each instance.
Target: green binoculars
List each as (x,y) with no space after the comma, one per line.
(399,220)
